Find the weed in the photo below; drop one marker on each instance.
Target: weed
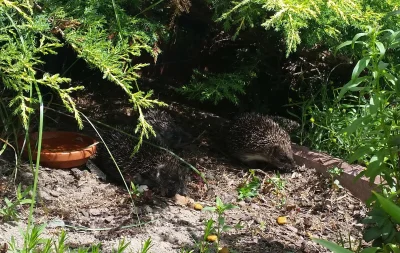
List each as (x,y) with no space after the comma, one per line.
(276,185)
(33,242)
(136,191)
(278,182)
(146,246)
(10,210)
(334,173)
(249,189)
(216,227)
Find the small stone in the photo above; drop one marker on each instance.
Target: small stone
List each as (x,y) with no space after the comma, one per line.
(197,206)
(291,228)
(94,212)
(211,193)
(190,201)
(147,209)
(109,219)
(258,220)
(54,193)
(282,220)
(181,200)
(212,238)
(227,198)
(143,188)
(135,210)
(55,223)
(45,196)
(84,213)
(242,203)
(77,173)
(255,206)
(209,176)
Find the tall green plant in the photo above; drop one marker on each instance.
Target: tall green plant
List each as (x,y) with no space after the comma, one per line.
(375,81)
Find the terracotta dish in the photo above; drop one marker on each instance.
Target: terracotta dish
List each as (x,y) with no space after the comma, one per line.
(62,150)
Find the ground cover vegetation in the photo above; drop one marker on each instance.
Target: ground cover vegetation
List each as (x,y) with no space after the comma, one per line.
(354,116)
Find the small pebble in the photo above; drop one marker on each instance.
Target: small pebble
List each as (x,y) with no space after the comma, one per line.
(242,203)
(212,238)
(197,206)
(282,220)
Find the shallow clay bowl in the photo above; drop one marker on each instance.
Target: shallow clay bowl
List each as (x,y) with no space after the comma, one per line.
(62,150)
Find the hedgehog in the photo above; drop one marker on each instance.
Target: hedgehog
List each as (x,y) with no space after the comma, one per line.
(287,124)
(167,131)
(253,138)
(151,166)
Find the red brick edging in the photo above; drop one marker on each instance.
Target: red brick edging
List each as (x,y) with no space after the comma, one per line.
(321,162)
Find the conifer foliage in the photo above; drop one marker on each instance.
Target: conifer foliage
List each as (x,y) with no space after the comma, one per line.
(102,33)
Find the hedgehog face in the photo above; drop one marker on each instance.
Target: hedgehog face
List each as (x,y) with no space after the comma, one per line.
(171,177)
(282,158)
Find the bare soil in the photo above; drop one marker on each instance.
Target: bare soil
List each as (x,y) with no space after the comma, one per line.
(94,210)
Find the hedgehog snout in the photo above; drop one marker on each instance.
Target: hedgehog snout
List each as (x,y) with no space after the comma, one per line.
(283,160)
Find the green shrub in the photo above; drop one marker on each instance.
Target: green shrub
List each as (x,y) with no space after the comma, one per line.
(314,22)
(216,87)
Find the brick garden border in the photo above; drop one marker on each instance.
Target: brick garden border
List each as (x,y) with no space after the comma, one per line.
(321,162)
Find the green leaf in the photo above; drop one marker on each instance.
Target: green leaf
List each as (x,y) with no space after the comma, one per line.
(394,141)
(370,250)
(394,247)
(351,85)
(374,103)
(354,125)
(226,228)
(356,37)
(390,78)
(8,202)
(360,66)
(360,152)
(382,65)
(388,231)
(344,44)
(374,219)
(374,166)
(239,225)
(221,221)
(372,234)
(392,13)
(391,208)
(381,48)
(331,246)
(26,201)
(218,202)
